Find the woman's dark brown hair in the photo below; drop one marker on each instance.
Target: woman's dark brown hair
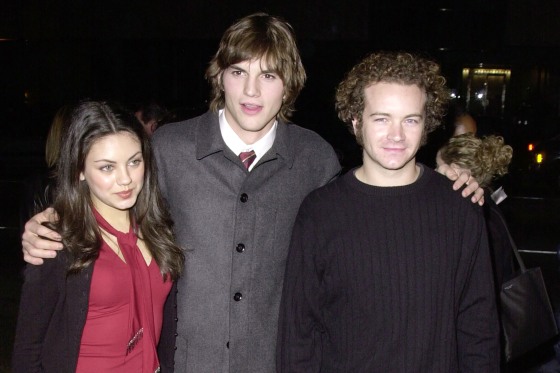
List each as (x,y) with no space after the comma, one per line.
(89,122)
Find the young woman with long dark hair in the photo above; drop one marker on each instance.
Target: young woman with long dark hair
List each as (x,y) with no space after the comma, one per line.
(98,306)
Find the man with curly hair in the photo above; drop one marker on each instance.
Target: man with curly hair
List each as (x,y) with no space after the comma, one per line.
(388,268)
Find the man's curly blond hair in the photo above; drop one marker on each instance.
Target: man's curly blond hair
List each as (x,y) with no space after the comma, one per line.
(392,67)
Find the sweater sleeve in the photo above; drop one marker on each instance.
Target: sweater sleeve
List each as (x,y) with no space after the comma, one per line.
(299,326)
(39,297)
(477,322)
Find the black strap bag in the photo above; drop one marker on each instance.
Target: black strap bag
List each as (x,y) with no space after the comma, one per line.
(526,313)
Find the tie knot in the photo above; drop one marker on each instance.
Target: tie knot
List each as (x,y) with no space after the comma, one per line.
(247,158)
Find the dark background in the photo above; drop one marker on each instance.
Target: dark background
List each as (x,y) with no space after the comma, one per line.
(57,52)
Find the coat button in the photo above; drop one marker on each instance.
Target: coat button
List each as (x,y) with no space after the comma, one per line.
(240,248)
(244,197)
(175,348)
(237,297)
(176,334)
(176,319)
(227,344)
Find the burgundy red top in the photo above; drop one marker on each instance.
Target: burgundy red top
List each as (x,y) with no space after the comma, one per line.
(107,330)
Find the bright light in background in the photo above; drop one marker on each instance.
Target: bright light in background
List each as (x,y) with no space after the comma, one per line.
(531,147)
(539,158)
(454,94)
(479,95)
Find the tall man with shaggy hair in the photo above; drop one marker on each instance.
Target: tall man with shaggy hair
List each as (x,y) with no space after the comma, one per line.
(388,268)
(235,178)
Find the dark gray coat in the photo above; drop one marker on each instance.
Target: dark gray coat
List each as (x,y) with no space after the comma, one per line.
(236,226)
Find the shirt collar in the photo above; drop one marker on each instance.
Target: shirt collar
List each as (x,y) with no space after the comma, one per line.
(236,145)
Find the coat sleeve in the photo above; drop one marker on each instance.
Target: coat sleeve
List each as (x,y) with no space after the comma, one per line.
(39,296)
(299,326)
(477,322)
(166,345)
(332,166)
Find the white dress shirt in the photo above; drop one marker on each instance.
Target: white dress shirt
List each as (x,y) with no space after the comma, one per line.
(234,142)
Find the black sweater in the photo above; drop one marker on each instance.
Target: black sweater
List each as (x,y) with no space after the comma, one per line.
(388,280)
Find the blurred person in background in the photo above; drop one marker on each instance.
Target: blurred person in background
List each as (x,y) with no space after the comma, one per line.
(462,121)
(39,187)
(487,159)
(151,115)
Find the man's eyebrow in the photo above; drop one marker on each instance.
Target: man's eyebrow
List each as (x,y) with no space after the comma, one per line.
(379,113)
(236,67)
(388,115)
(414,115)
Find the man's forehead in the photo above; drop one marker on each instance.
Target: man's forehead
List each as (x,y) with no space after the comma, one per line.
(261,62)
(373,89)
(394,82)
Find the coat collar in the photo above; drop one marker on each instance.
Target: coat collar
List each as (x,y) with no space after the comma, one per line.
(209,140)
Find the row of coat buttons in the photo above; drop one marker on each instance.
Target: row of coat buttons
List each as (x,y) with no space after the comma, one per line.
(239,248)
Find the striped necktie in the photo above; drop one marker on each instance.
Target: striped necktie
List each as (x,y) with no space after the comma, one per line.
(247,158)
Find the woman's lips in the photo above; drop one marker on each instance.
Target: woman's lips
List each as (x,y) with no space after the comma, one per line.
(126,194)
